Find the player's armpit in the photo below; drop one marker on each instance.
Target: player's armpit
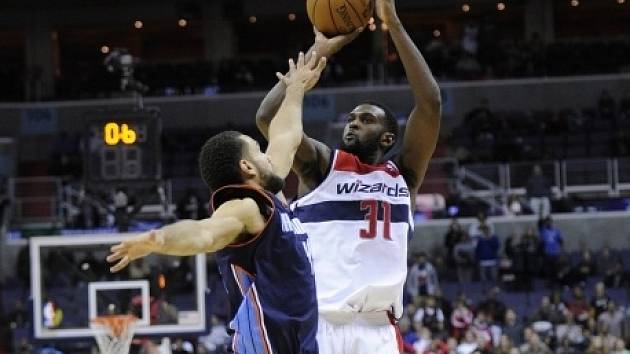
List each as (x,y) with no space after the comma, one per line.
(311,162)
(421,136)
(256,212)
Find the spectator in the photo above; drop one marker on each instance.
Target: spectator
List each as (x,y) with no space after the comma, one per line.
(18,317)
(25,347)
(461,319)
(464,256)
(181,346)
(571,333)
(606,259)
(551,240)
(596,346)
(505,345)
(483,331)
(53,314)
(216,340)
(551,310)
(539,193)
(526,258)
(612,320)
(616,276)
(454,234)
(443,303)
(599,302)
(121,214)
(422,278)
(513,329)
(535,346)
(408,335)
(474,230)
(513,206)
(469,344)
(493,307)
(430,316)
(578,306)
(620,347)
(438,346)
(191,207)
(139,269)
(585,268)
(487,253)
(425,338)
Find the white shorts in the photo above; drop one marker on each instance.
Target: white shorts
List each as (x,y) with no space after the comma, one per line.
(364,333)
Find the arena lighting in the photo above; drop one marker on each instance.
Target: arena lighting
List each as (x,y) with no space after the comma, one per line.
(500,6)
(252,19)
(182,22)
(104,49)
(291,17)
(465,7)
(437,33)
(575,3)
(138,24)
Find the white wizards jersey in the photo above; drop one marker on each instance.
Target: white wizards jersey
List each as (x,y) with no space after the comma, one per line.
(358,222)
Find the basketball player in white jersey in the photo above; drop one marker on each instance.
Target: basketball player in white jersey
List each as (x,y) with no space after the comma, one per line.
(357,207)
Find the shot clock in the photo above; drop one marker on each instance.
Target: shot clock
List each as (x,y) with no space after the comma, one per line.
(123,146)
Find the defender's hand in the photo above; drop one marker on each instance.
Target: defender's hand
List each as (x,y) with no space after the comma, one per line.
(386,11)
(304,73)
(134,248)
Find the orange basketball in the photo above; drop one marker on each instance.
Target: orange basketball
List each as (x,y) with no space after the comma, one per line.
(333,17)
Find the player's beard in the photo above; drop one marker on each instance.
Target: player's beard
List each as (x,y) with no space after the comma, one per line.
(364,150)
(272,183)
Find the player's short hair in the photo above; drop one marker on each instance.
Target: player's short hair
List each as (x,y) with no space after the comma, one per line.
(391,124)
(219,159)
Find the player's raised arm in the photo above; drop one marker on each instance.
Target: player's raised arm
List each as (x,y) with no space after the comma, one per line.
(312,157)
(285,131)
(189,237)
(423,126)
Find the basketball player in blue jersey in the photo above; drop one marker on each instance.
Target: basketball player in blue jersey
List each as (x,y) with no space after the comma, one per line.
(357,207)
(261,248)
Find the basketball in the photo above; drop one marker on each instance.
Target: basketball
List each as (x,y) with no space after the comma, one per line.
(333,17)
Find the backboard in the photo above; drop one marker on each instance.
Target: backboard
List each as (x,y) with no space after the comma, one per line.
(72,284)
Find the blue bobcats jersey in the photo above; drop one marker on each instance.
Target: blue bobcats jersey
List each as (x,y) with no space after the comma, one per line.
(269,280)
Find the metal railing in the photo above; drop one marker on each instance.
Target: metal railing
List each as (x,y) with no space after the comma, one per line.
(585,176)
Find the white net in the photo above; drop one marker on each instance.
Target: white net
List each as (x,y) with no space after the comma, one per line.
(113,334)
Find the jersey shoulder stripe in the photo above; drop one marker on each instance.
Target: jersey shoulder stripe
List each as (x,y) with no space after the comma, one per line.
(347,162)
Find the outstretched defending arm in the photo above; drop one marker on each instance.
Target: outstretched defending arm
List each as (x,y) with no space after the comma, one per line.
(423,126)
(285,130)
(189,237)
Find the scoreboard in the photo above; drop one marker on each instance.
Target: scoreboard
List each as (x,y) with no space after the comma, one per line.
(123,146)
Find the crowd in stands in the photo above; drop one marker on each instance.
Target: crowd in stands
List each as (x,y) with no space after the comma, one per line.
(486,135)
(477,55)
(479,293)
(524,295)
(449,61)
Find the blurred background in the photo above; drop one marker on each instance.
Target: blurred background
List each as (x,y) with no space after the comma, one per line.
(525,208)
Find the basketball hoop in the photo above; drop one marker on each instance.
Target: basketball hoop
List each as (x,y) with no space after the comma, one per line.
(113,333)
